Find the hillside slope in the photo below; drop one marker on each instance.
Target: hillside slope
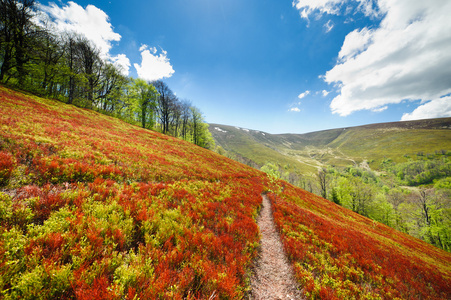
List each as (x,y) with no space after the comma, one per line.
(95,208)
(339,147)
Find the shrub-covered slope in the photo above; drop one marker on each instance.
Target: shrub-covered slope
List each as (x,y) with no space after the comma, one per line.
(95,208)
(339,254)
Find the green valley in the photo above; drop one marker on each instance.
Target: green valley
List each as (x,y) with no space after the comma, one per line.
(395,173)
(335,147)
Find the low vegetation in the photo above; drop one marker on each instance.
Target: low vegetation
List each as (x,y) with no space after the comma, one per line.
(337,254)
(95,208)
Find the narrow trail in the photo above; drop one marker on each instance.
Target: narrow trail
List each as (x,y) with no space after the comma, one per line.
(273,277)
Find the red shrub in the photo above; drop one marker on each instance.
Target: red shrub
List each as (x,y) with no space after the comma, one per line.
(98,290)
(6,167)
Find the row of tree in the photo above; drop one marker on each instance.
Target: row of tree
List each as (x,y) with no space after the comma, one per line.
(69,67)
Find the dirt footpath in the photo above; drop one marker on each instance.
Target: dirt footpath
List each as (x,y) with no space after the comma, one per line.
(273,277)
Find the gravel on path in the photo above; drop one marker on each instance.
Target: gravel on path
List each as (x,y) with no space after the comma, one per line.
(273,276)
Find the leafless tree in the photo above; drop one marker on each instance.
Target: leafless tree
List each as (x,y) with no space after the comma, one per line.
(91,65)
(111,86)
(185,117)
(72,64)
(323,181)
(164,103)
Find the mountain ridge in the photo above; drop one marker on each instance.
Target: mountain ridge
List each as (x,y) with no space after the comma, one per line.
(337,146)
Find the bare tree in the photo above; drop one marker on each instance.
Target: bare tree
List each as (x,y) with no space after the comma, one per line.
(431,219)
(323,181)
(423,203)
(72,64)
(196,124)
(164,100)
(111,86)
(176,117)
(91,65)
(185,116)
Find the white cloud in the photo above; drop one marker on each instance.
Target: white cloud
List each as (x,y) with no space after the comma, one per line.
(437,108)
(146,47)
(329,26)
(407,57)
(302,95)
(334,7)
(379,109)
(307,7)
(122,62)
(295,109)
(153,66)
(355,42)
(91,22)
(325,93)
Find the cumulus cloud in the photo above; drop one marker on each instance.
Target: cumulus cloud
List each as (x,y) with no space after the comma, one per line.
(437,108)
(295,109)
(122,62)
(154,66)
(302,95)
(91,22)
(406,57)
(355,43)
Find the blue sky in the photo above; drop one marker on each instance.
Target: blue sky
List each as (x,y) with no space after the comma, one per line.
(280,66)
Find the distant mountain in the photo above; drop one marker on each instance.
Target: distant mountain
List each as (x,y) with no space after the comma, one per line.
(338,147)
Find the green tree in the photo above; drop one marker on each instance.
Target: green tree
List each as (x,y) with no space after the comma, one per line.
(273,172)
(91,67)
(382,211)
(16,37)
(112,90)
(354,194)
(271,169)
(143,95)
(432,217)
(396,197)
(335,197)
(201,136)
